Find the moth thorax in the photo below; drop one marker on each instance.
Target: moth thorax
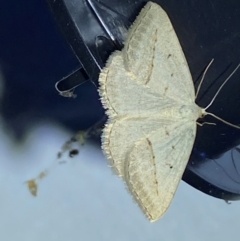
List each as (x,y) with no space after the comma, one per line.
(189,112)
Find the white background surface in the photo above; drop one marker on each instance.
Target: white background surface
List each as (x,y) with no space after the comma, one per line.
(83,200)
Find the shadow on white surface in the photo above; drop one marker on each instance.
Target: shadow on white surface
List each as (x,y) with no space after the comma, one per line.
(83,200)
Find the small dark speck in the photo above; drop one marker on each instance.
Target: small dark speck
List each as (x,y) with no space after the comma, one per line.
(73,152)
(170,166)
(171,74)
(173,147)
(169,56)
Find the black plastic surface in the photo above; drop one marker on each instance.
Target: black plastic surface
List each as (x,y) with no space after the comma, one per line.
(206,30)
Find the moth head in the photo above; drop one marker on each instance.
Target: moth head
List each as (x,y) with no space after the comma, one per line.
(190,112)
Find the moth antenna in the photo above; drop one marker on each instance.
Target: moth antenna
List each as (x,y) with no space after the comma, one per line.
(221,87)
(226,122)
(203,76)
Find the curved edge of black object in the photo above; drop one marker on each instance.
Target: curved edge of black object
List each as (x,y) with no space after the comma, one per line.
(85,34)
(73,36)
(208,188)
(205,30)
(202,171)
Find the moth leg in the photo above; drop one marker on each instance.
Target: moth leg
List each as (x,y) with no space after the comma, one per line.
(207,123)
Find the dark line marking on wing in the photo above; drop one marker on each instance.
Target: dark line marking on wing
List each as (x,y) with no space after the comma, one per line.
(154,163)
(154,50)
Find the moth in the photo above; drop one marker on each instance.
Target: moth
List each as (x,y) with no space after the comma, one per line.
(149,95)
